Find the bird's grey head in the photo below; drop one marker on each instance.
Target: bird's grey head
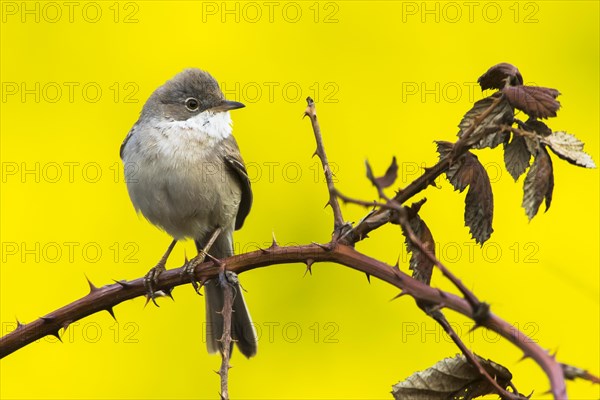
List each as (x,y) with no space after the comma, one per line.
(186,95)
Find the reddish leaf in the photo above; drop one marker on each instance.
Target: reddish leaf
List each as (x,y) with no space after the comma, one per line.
(450,379)
(538,184)
(516,156)
(386,180)
(479,203)
(550,190)
(535,101)
(537,126)
(488,132)
(420,264)
(497,76)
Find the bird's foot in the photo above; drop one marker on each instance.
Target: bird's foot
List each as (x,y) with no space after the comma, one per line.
(151,280)
(190,269)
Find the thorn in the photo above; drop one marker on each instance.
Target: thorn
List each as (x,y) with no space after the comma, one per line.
(524,357)
(47,319)
(274,243)
(474,328)
(111,312)
(65,325)
(316,153)
(327,204)
(169,292)
(124,284)
(309,262)
(398,295)
(185,257)
(397,265)
(368,277)
(92,287)
(218,262)
(55,334)
(19,324)
(326,247)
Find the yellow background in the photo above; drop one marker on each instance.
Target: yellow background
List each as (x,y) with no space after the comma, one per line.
(333,335)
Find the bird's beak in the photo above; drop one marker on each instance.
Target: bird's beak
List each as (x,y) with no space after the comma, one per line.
(227,105)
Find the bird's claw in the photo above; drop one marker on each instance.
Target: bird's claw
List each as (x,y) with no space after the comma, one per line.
(151,280)
(190,270)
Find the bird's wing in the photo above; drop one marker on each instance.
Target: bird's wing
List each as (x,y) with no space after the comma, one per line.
(129,135)
(234,160)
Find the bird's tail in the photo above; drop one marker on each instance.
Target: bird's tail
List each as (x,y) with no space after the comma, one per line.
(242,329)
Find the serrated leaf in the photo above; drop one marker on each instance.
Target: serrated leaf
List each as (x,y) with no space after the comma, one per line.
(479,202)
(452,378)
(537,126)
(535,101)
(550,190)
(533,144)
(497,76)
(539,183)
(386,180)
(420,264)
(516,156)
(569,148)
(488,132)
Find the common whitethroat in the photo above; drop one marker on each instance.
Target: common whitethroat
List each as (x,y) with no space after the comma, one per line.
(185,174)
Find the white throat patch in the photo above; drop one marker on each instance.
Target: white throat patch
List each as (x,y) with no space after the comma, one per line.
(206,126)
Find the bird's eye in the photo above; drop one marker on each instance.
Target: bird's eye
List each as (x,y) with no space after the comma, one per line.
(192,104)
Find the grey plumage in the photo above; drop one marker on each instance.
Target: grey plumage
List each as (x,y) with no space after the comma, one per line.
(185,174)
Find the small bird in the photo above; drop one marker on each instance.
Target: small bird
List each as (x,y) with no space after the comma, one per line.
(185,174)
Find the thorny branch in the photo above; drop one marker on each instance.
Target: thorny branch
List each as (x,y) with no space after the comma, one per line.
(480,310)
(225,340)
(338,219)
(106,297)
(439,317)
(340,250)
(382,216)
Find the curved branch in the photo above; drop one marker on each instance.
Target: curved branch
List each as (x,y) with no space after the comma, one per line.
(439,317)
(106,297)
(311,112)
(382,216)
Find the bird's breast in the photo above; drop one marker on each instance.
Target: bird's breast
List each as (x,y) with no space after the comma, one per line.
(177,178)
